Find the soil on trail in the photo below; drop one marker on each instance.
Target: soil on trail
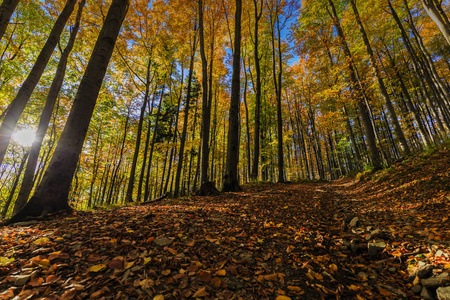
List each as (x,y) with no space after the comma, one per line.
(381,237)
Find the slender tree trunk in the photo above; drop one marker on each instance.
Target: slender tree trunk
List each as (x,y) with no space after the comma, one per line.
(119,163)
(95,169)
(18,104)
(129,195)
(152,146)
(247,120)
(256,146)
(398,130)
(6,10)
(27,181)
(206,187)
(368,127)
(52,193)
(13,189)
(185,121)
(231,181)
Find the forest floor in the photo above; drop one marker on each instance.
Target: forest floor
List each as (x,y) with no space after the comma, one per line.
(270,241)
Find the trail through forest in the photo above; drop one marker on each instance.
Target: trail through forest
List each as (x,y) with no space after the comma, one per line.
(384,236)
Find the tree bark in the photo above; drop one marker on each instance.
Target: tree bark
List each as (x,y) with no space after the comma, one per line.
(441,20)
(397,128)
(256,146)
(27,181)
(129,196)
(363,110)
(6,10)
(185,121)
(231,181)
(52,193)
(206,187)
(18,104)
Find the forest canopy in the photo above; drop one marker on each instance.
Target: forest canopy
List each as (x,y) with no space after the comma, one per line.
(109,102)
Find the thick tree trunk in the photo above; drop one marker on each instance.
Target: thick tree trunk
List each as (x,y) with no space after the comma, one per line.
(398,130)
(51,195)
(231,181)
(6,10)
(18,104)
(363,111)
(441,20)
(27,181)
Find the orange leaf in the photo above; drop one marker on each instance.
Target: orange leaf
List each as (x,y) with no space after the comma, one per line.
(36,281)
(221,272)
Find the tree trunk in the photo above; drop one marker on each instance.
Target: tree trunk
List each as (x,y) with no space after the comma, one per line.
(27,181)
(231,181)
(13,189)
(206,187)
(441,20)
(152,146)
(256,146)
(51,195)
(129,196)
(18,104)
(185,121)
(6,10)
(398,130)
(368,128)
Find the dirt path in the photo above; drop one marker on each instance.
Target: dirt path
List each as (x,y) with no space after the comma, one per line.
(279,241)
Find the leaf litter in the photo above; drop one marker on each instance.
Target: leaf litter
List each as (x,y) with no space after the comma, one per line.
(379,237)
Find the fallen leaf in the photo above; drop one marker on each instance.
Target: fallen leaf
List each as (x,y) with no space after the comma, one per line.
(281,297)
(97,268)
(221,272)
(158,297)
(201,293)
(37,281)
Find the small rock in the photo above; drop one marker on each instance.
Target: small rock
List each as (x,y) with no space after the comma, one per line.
(354,222)
(443,293)
(368,237)
(20,280)
(374,248)
(426,294)
(433,282)
(425,271)
(416,289)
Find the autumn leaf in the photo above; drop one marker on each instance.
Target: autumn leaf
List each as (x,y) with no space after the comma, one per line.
(97,268)
(201,293)
(221,272)
(158,297)
(37,281)
(281,297)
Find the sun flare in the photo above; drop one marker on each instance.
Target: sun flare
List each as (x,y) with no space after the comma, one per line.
(24,137)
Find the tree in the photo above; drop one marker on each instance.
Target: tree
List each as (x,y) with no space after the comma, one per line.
(52,193)
(231,180)
(18,104)
(6,10)
(382,86)
(206,186)
(356,86)
(437,14)
(27,181)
